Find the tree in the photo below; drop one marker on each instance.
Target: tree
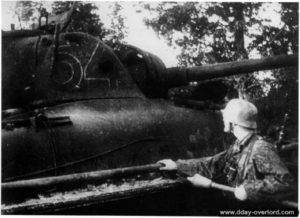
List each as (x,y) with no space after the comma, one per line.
(282,99)
(84,18)
(27,12)
(118,23)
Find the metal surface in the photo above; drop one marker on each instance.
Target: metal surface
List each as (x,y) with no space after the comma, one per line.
(83,67)
(147,70)
(106,134)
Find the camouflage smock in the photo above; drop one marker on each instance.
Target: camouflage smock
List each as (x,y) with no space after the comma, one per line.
(252,163)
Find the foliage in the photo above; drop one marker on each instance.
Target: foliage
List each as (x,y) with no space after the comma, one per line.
(208,29)
(118,30)
(283,95)
(27,12)
(84,18)
(279,40)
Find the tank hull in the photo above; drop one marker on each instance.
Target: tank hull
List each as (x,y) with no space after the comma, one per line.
(105,134)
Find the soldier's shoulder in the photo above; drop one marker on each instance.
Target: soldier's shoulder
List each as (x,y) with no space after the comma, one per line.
(263,145)
(266,158)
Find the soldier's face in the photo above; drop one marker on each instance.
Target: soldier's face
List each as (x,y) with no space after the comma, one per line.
(227,127)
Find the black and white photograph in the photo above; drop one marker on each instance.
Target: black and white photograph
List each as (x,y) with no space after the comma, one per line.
(149,108)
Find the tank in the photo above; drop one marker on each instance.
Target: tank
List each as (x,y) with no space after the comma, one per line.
(72,104)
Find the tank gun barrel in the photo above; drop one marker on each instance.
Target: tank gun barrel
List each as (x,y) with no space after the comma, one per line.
(177,76)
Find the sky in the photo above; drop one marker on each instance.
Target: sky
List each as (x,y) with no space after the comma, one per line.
(138,34)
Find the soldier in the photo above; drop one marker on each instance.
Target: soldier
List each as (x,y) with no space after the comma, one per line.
(251,164)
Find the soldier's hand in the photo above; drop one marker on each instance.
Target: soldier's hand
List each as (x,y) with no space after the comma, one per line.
(167,164)
(240,193)
(200,181)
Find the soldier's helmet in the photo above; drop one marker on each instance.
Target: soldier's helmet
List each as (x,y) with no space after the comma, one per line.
(240,112)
